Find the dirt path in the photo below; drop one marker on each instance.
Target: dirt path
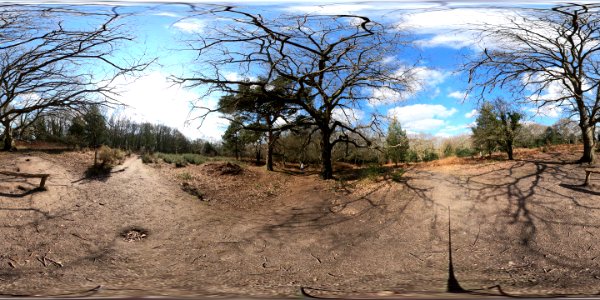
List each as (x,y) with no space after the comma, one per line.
(521,224)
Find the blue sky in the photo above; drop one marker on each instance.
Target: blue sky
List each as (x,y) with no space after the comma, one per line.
(440,106)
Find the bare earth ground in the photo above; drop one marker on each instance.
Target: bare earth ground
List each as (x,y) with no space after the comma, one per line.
(524,225)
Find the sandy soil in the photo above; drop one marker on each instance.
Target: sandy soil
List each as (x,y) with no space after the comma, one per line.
(525,225)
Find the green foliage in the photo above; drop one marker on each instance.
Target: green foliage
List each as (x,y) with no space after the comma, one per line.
(208,149)
(95,127)
(430,154)
(148,158)
(186,158)
(487,130)
(76,132)
(176,159)
(498,124)
(194,159)
(373,172)
(412,156)
(397,142)
(396,175)
(232,139)
(448,150)
(465,152)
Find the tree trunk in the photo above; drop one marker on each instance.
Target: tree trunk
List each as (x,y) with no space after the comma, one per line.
(326,147)
(258,154)
(9,143)
(509,149)
(588,144)
(270,146)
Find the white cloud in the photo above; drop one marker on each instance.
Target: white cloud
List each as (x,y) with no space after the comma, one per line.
(190,25)
(421,117)
(423,78)
(233,76)
(452,27)
(152,98)
(471,114)
(167,14)
(551,110)
(348,116)
(330,8)
(458,95)
(338,7)
(452,130)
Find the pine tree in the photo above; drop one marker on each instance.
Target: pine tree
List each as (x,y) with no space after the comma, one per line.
(95,129)
(397,142)
(487,129)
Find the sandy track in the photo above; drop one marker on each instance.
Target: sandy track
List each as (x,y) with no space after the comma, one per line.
(522,225)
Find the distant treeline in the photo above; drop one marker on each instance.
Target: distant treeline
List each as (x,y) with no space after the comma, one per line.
(93,128)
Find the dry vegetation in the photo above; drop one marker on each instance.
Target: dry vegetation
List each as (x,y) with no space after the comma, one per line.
(236,229)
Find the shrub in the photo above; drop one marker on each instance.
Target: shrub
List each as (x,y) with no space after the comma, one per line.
(396,175)
(194,159)
(430,155)
(465,152)
(110,157)
(373,172)
(180,162)
(185,176)
(148,158)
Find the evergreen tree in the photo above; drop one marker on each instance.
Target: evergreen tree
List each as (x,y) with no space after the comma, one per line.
(510,120)
(232,139)
(397,142)
(77,130)
(486,131)
(95,129)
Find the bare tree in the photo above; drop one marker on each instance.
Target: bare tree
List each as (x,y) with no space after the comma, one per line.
(334,64)
(48,64)
(553,54)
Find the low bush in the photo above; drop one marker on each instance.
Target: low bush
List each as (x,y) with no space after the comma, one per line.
(185,176)
(465,152)
(182,160)
(149,158)
(373,172)
(194,159)
(396,175)
(110,157)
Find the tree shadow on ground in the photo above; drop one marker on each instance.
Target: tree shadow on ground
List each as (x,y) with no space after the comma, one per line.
(99,172)
(24,187)
(580,188)
(543,209)
(24,193)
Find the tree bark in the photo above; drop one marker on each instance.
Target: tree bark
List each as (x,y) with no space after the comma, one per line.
(258,154)
(588,144)
(326,147)
(509,149)
(7,138)
(270,146)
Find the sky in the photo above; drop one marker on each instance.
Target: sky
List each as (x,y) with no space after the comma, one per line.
(439,106)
